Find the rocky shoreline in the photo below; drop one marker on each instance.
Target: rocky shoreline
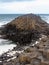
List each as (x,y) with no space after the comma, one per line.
(25,28)
(35,54)
(31,35)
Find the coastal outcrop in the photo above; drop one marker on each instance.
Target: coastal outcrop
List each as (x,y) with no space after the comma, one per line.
(35,55)
(25,28)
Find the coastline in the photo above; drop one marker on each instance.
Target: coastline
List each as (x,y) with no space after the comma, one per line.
(29,55)
(31,38)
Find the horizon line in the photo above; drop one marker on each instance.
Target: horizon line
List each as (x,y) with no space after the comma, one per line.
(25,13)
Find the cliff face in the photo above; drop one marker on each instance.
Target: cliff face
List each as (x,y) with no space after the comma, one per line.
(25,28)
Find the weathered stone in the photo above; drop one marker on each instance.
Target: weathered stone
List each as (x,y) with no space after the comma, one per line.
(44,62)
(25,28)
(24,58)
(35,61)
(29,50)
(44,38)
(47,54)
(8,64)
(17,63)
(27,64)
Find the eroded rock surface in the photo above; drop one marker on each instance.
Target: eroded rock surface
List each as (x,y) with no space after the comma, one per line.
(35,55)
(25,28)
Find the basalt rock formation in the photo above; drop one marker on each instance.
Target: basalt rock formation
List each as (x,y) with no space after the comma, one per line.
(25,28)
(35,55)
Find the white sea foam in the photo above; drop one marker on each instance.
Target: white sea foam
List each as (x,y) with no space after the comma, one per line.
(3,23)
(45,18)
(5,46)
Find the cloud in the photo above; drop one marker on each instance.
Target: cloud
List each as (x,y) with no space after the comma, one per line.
(13,0)
(37,6)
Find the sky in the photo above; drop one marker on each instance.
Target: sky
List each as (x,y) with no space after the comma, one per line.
(24,6)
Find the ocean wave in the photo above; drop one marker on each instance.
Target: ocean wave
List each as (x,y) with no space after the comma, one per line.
(3,23)
(45,18)
(4,41)
(5,48)
(5,45)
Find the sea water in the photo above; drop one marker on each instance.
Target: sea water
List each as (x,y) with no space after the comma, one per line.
(5,45)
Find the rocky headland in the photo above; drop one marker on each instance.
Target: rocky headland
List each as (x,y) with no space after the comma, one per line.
(25,28)
(31,34)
